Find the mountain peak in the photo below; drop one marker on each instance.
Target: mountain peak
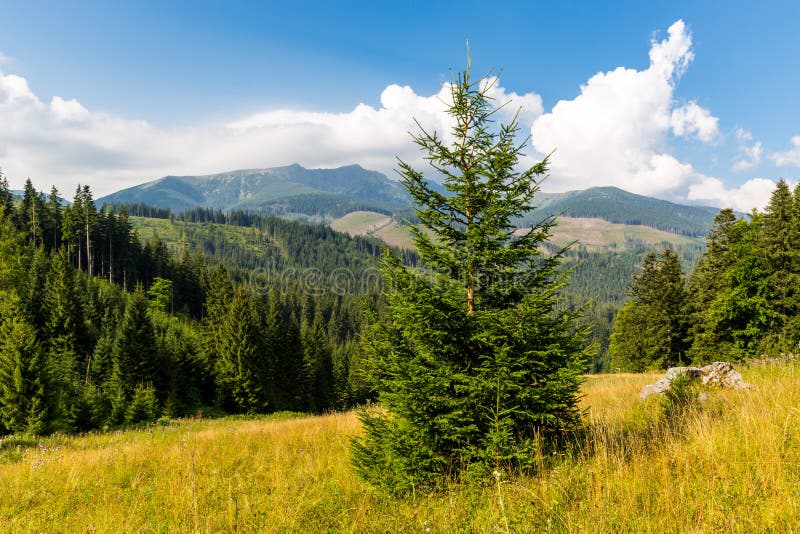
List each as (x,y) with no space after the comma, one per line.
(286,189)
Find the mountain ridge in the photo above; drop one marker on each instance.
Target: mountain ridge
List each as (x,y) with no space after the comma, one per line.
(266,189)
(323,195)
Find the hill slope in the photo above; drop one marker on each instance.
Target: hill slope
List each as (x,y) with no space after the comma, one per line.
(617,206)
(279,190)
(591,234)
(634,472)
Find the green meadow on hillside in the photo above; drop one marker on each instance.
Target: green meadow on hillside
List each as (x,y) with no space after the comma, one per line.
(596,235)
(728,464)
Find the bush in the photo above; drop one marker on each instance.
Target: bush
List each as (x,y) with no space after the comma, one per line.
(143,407)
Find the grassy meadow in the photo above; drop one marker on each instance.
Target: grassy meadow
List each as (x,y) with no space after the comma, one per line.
(731,464)
(596,235)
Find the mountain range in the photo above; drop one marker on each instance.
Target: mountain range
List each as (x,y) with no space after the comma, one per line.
(327,194)
(279,190)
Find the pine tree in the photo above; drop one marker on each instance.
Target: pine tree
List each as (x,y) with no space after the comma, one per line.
(219,292)
(781,246)
(476,364)
(318,366)
(52,221)
(34,295)
(30,213)
(709,279)
(136,358)
(160,294)
(71,228)
(24,402)
(88,221)
(240,369)
(64,318)
(282,364)
(6,198)
(651,331)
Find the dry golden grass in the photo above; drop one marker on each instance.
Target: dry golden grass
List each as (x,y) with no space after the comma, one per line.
(360,222)
(596,235)
(733,465)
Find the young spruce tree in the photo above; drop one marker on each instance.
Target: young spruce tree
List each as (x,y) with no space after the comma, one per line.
(475,363)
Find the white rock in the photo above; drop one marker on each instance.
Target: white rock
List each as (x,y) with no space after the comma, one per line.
(720,374)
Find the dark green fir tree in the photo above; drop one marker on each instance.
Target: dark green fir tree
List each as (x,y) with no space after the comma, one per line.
(24,401)
(241,367)
(476,363)
(651,330)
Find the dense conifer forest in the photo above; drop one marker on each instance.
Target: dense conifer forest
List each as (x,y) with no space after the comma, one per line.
(742,300)
(100,328)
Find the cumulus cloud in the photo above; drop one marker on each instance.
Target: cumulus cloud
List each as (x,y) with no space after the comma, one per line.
(693,120)
(749,152)
(754,193)
(65,143)
(616,132)
(790,157)
(68,110)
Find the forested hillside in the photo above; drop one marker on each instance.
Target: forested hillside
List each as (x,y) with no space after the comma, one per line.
(101,327)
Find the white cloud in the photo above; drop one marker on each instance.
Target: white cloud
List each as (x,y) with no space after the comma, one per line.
(68,110)
(789,157)
(616,131)
(65,143)
(14,91)
(749,154)
(692,119)
(754,193)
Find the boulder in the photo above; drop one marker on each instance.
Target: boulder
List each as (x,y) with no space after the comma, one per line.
(720,374)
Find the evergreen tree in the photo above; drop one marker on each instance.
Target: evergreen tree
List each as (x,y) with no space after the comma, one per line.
(160,294)
(54,220)
(318,366)
(219,292)
(742,313)
(282,363)
(34,296)
(64,317)
(651,330)
(88,222)
(240,369)
(71,229)
(781,246)
(30,213)
(24,401)
(475,363)
(709,279)
(136,358)
(6,198)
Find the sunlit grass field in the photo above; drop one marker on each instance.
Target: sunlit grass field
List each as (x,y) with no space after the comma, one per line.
(732,464)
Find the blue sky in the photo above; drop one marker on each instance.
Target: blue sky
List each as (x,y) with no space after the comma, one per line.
(146,89)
